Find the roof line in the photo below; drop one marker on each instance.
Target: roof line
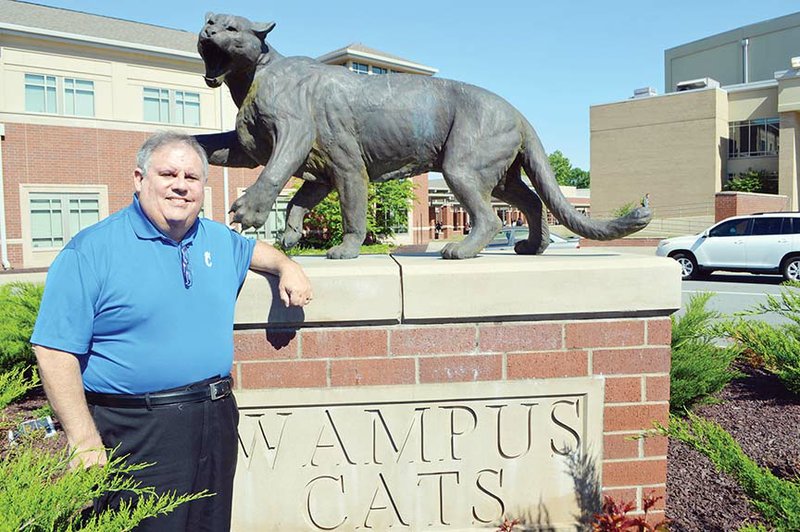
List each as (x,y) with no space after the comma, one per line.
(100,41)
(87,13)
(375,57)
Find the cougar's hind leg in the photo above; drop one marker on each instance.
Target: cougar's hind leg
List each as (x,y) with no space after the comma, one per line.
(515,192)
(475,195)
(352,187)
(305,199)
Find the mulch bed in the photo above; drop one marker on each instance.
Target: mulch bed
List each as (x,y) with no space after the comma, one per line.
(24,410)
(765,419)
(758,411)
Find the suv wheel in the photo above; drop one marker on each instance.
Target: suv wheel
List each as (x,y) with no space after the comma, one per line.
(791,269)
(689,269)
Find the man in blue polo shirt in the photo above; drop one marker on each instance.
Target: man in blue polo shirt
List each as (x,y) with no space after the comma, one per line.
(134,338)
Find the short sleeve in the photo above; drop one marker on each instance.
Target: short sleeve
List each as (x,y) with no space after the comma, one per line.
(242,254)
(66,315)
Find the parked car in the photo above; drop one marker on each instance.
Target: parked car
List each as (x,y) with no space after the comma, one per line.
(758,243)
(508,236)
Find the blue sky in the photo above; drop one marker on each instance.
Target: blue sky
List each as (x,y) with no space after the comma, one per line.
(552,60)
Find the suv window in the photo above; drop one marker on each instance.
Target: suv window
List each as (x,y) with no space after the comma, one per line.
(791,226)
(767,226)
(731,228)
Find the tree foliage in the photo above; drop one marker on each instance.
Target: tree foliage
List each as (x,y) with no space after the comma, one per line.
(387,212)
(565,173)
(750,181)
(19,305)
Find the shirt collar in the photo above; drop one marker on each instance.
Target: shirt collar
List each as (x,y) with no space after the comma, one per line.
(147,230)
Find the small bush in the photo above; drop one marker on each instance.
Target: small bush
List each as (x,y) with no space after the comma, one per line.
(42,494)
(624,210)
(615,516)
(19,305)
(700,368)
(778,500)
(776,348)
(749,181)
(16,383)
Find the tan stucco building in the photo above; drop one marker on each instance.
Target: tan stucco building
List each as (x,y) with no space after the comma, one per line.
(79,93)
(732,104)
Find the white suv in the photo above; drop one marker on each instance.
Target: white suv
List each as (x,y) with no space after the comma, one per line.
(756,243)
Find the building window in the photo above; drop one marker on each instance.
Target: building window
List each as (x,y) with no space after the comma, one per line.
(187,108)
(156,105)
(78,97)
(42,95)
(171,106)
(360,68)
(55,218)
(379,70)
(754,138)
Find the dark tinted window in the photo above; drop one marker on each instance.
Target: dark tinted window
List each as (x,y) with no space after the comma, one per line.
(767,226)
(791,226)
(731,228)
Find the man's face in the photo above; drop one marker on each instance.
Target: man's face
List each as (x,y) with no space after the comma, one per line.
(171,192)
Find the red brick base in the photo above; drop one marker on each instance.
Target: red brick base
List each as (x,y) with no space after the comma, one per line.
(633,355)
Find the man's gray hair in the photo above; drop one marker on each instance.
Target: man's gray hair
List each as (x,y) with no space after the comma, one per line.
(165,138)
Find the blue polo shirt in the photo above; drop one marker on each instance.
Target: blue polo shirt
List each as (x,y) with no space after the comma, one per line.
(142,312)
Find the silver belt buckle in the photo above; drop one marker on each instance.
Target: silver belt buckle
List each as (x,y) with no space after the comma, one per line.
(220,389)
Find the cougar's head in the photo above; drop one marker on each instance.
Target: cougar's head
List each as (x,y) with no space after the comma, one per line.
(229,44)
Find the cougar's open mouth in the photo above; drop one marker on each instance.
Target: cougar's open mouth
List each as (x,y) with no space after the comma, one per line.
(217,62)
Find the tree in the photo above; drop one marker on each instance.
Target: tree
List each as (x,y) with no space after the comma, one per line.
(579,178)
(565,173)
(387,212)
(561,167)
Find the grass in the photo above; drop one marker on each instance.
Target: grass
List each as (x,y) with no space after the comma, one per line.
(371,249)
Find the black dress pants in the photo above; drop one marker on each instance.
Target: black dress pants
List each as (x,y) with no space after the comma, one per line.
(194,447)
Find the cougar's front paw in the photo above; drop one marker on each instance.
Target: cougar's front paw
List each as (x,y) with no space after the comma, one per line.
(343,251)
(458,250)
(250,210)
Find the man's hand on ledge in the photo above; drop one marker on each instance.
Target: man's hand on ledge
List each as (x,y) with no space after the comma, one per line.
(294,287)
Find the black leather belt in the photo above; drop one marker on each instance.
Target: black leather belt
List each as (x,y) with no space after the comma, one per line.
(204,391)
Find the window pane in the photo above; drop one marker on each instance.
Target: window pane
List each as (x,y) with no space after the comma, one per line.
(767,226)
(40,93)
(46,222)
(34,99)
(754,138)
(732,228)
(78,97)
(84,103)
(156,105)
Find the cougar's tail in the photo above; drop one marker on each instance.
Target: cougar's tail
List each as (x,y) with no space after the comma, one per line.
(537,166)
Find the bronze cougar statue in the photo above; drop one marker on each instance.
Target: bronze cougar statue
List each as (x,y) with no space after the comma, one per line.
(337,129)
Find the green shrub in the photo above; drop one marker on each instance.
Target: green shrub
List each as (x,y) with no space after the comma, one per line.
(700,368)
(624,210)
(41,493)
(778,500)
(16,383)
(19,305)
(776,348)
(750,181)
